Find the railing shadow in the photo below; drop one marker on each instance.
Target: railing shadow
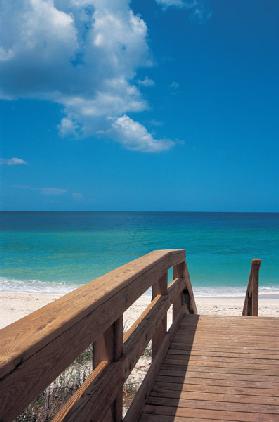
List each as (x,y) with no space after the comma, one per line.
(170,386)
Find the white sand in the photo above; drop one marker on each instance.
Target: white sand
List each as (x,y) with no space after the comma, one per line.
(268,306)
(15,305)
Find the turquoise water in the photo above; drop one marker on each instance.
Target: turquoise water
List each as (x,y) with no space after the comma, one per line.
(56,250)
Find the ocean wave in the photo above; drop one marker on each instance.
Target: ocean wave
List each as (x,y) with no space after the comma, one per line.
(229,291)
(37,286)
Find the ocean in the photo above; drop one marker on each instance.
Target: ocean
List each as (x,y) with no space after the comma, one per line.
(56,251)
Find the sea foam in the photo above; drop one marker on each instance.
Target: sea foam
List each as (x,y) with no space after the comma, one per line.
(60,287)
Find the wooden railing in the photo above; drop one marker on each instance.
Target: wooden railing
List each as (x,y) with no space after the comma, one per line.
(251,300)
(37,348)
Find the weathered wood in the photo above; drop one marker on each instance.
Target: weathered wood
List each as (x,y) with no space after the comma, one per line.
(214,374)
(250,307)
(160,288)
(202,381)
(138,402)
(225,354)
(178,272)
(93,400)
(215,397)
(209,368)
(223,382)
(192,304)
(163,418)
(143,329)
(220,363)
(127,282)
(135,340)
(200,388)
(59,332)
(187,297)
(214,405)
(209,414)
(109,348)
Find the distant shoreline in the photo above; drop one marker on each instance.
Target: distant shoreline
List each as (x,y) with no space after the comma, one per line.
(16,305)
(138,211)
(9,285)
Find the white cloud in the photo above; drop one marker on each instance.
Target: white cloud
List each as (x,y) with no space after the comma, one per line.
(197,9)
(134,136)
(14,161)
(174,85)
(66,126)
(52,191)
(169,3)
(82,54)
(146,82)
(44,190)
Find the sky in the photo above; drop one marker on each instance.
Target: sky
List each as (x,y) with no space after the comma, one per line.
(139,105)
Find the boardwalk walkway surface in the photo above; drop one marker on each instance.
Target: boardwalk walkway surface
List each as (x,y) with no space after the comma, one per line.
(203,367)
(218,368)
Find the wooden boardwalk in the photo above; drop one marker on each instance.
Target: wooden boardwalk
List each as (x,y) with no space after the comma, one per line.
(218,368)
(203,368)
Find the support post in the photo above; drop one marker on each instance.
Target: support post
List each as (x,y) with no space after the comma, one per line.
(159,288)
(109,348)
(250,307)
(178,272)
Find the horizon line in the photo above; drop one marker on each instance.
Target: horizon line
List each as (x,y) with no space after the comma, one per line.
(145,211)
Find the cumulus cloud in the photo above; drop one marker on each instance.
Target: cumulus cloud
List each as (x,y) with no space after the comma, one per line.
(197,9)
(81,54)
(14,161)
(169,3)
(135,136)
(146,82)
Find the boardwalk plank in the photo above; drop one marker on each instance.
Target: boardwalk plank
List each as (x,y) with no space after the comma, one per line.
(218,368)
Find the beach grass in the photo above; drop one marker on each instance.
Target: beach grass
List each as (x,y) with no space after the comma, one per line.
(46,405)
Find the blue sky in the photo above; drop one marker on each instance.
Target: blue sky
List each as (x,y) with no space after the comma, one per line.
(147,105)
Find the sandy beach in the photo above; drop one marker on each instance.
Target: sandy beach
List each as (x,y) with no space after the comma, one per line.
(16,305)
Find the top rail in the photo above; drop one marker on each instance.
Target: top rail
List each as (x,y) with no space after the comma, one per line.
(37,348)
(250,307)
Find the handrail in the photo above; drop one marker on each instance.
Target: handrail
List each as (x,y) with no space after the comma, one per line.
(250,307)
(37,348)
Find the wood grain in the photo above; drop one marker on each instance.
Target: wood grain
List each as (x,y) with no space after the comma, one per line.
(250,307)
(135,409)
(160,288)
(135,341)
(60,331)
(218,368)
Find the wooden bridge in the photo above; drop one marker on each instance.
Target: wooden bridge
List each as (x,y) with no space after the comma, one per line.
(203,367)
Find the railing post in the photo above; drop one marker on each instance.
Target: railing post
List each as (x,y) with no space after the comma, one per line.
(159,288)
(178,272)
(250,307)
(109,348)
(255,288)
(186,297)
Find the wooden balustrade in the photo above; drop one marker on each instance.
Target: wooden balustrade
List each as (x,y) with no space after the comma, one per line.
(37,348)
(250,307)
